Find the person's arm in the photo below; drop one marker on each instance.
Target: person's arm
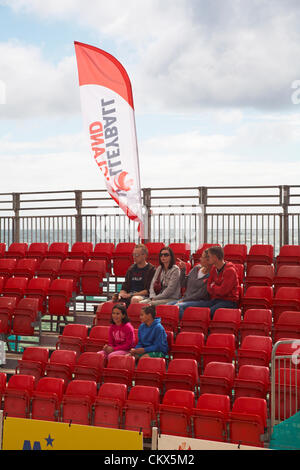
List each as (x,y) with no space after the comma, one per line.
(159,343)
(229,281)
(152,294)
(172,286)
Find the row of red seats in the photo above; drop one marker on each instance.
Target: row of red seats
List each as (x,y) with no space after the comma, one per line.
(139,409)
(87,277)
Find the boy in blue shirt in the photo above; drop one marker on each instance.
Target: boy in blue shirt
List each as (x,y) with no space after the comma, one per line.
(152,338)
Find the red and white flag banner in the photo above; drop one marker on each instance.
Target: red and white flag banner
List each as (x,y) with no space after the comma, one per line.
(108,113)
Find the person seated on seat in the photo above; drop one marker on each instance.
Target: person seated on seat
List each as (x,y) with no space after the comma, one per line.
(165,284)
(137,279)
(152,338)
(121,333)
(222,284)
(195,284)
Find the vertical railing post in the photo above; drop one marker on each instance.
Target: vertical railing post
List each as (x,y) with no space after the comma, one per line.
(285,200)
(16,218)
(203,204)
(78,205)
(147,215)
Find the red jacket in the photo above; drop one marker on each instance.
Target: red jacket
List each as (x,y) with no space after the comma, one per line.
(225,284)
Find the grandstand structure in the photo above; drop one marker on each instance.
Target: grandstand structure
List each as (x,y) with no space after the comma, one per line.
(231,379)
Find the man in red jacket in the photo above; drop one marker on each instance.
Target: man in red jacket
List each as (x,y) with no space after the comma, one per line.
(222,284)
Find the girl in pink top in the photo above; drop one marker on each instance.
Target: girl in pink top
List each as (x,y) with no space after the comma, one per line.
(121,333)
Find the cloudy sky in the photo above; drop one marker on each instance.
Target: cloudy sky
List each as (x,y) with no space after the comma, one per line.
(216,86)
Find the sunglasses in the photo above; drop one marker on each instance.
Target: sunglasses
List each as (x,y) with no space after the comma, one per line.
(165,254)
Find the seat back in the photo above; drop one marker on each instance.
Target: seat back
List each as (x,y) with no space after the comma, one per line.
(195,319)
(58,250)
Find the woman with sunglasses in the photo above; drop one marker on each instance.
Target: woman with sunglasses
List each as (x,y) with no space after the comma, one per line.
(165,284)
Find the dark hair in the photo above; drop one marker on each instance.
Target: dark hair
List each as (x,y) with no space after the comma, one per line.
(123,309)
(172,256)
(217,251)
(150,310)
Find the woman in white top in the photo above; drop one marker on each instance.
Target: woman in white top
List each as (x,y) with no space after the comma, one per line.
(165,285)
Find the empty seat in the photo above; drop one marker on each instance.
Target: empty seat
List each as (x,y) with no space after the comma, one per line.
(226,320)
(104,251)
(37,288)
(288,255)
(287,276)
(89,366)
(7,306)
(108,405)
(16,250)
(49,268)
(150,371)
(256,322)
(92,277)
(119,369)
(169,315)
(61,365)
(182,374)
(288,325)
(33,362)
(181,250)
(73,338)
(59,297)
(81,250)
(219,347)
(37,251)
(248,421)
(103,313)
(260,254)
(17,396)
(2,249)
(257,297)
(175,413)
(188,345)
(260,275)
(78,400)
(140,409)
(3,383)
(46,399)
(218,377)
(287,392)
(236,253)
(209,418)
(25,317)
(97,338)
(7,267)
(71,269)
(286,298)
(153,252)
(58,250)
(255,350)
(195,319)
(15,287)
(240,270)
(252,381)
(287,353)
(122,258)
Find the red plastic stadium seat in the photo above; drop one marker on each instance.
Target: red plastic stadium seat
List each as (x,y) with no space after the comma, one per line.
(256,322)
(2,282)
(103,313)
(181,250)
(37,288)
(248,421)
(153,252)
(287,392)
(15,287)
(287,353)
(209,418)
(7,306)
(236,253)
(150,371)
(17,396)
(2,249)
(287,276)
(97,338)
(226,320)
(58,250)
(169,315)
(288,255)
(89,366)
(119,369)
(287,326)
(122,258)
(92,277)
(134,312)
(252,381)
(7,267)
(195,319)
(286,298)
(81,250)
(78,400)
(175,413)
(260,275)
(61,365)
(257,297)
(182,374)
(188,345)
(219,347)
(49,268)
(140,409)
(260,254)
(25,316)
(59,296)
(46,399)
(33,362)
(255,350)
(73,338)
(204,246)
(218,377)
(71,269)
(38,251)
(3,382)
(108,405)
(16,250)
(104,251)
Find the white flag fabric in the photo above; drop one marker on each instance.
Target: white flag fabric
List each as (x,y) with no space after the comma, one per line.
(108,113)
